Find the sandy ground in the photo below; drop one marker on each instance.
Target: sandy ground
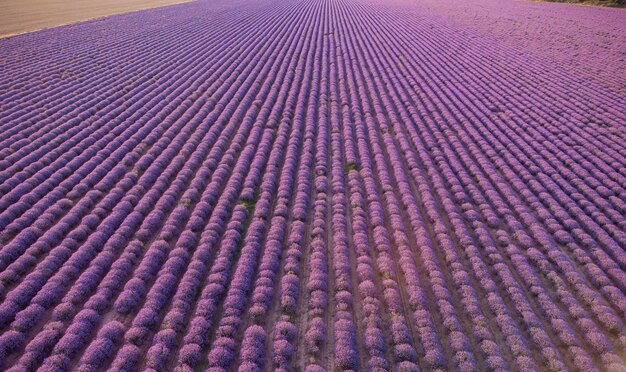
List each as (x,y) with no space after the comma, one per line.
(20,16)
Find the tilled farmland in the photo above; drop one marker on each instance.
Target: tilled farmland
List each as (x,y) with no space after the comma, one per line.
(310,185)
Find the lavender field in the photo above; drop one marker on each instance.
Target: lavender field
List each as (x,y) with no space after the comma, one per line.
(316,185)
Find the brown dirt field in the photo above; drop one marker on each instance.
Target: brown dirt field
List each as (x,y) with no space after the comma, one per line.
(21,16)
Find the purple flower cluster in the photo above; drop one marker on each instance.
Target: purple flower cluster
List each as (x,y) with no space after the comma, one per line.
(345,345)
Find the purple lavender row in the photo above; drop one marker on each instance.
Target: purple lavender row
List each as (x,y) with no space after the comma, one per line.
(91,63)
(158,292)
(459,342)
(178,113)
(284,343)
(137,113)
(166,177)
(196,338)
(370,308)
(513,336)
(517,185)
(569,91)
(151,76)
(530,88)
(520,303)
(313,324)
(145,328)
(253,344)
(510,331)
(476,214)
(346,353)
(576,52)
(401,335)
(544,122)
(82,115)
(230,193)
(403,350)
(494,360)
(578,176)
(153,121)
(53,47)
(559,223)
(162,342)
(67,348)
(90,222)
(268,249)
